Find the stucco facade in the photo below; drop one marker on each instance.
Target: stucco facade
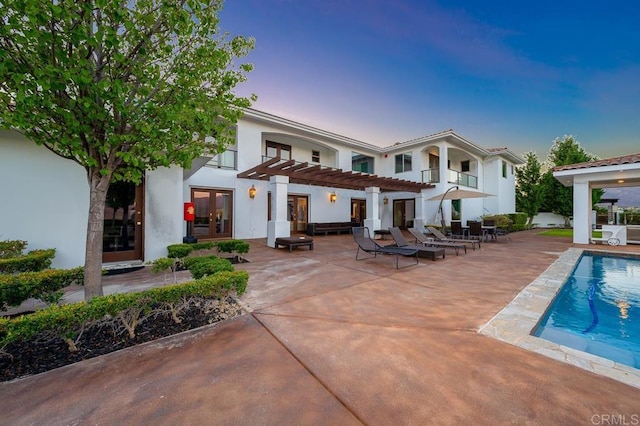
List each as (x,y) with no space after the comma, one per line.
(46,197)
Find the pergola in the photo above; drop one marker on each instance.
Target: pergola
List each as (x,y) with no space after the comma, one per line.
(280,173)
(614,172)
(314,174)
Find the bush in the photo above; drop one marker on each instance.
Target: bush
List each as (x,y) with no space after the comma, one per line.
(44,285)
(207,265)
(180,251)
(35,260)
(11,248)
(500,220)
(232,246)
(127,309)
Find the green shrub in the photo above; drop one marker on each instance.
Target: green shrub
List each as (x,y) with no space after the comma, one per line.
(180,251)
(35,260)
(11,248)
(127,309)
(207,265)
(500,220)
(45,285)
(518,218)
(232,246)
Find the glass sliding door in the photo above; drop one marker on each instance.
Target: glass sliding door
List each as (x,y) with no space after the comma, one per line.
(213,213)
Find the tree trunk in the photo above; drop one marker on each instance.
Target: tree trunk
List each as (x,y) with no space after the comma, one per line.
(98,186)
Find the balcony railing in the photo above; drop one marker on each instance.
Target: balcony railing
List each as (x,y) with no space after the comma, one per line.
(463,179)
(431,176)
(225,160)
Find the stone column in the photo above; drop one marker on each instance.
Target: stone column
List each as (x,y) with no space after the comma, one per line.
(279,225)
(373,209)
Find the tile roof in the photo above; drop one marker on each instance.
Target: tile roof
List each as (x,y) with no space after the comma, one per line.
(625,159)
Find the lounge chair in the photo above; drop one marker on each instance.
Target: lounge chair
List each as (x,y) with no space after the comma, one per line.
(441,237)
(368,245)
(421,239)
(423,251)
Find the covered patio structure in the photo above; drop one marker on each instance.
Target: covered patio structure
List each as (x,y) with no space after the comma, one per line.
(614,172)
(281,172)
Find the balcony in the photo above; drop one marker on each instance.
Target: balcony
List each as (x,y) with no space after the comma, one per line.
(225,160)
(463,179)
(431,176)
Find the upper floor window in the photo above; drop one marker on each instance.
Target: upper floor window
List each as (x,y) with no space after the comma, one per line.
(465,166)
(274,149)
(504,169)
(361,163)
(315,156)
(403,162)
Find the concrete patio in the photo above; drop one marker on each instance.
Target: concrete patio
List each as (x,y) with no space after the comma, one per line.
(329,340)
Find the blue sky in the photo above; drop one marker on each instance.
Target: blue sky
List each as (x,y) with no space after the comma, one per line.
(500,73)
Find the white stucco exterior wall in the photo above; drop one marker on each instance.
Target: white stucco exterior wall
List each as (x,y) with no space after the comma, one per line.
(163,211)
(45,199)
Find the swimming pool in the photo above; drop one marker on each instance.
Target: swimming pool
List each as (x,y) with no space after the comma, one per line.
(598,309)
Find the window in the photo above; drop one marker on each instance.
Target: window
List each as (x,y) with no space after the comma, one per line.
(315,156)
(361,163)
(465,166)
(403,162)
(278,150)
(504,169)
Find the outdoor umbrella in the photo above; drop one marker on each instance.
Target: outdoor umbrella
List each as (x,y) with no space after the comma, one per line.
(455,193)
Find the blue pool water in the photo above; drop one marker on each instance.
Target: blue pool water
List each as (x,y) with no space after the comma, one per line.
(598,309)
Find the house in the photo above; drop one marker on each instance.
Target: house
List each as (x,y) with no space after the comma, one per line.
(279,176)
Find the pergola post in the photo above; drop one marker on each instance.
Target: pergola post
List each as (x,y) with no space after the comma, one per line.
(372,196)
(279,225)
(581,212)
(418,220)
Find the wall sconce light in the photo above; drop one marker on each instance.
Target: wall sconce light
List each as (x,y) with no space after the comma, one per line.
(385,201)
(333,197)
(252,192)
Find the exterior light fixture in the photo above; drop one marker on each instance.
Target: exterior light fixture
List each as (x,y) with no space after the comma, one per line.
(620,180)
(333,197)
(385,200)
(252,192)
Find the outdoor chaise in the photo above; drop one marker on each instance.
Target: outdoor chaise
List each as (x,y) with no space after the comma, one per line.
(441,237)
(368,245)
(423,251)
(421,239)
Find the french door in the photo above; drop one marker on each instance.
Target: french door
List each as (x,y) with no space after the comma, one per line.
(358,211)
(298,212)
(123,223)
(214,213)
(404,212)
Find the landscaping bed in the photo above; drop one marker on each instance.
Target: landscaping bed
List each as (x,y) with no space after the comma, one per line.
(44,352)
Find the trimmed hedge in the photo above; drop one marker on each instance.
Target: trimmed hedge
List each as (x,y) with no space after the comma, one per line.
(44,285)
(231,246)
(68,321)
(207,265)
(35,260)
(184,250)
(519,221)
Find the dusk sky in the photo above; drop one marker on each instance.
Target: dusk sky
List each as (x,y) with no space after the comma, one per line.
(500,73)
